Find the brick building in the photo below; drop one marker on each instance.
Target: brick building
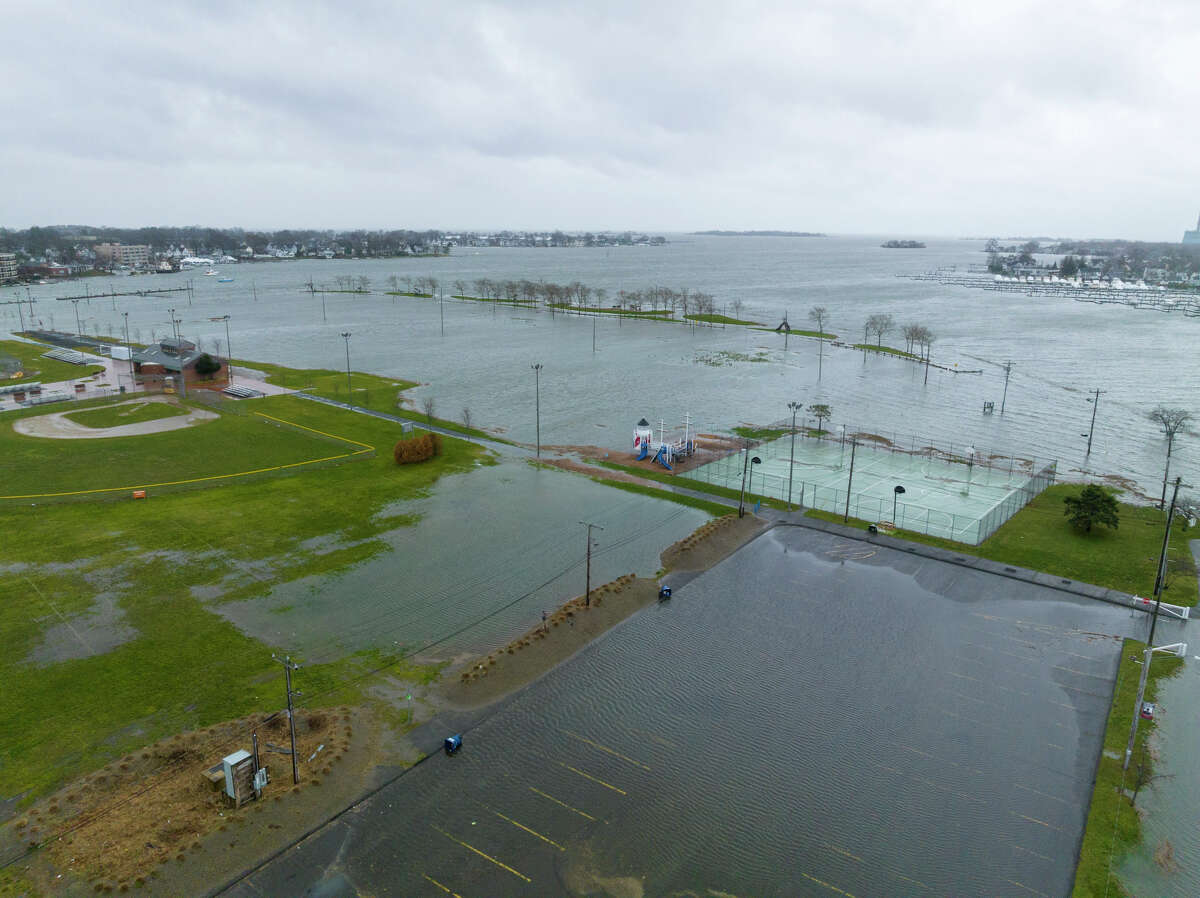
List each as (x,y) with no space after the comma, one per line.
(168,358)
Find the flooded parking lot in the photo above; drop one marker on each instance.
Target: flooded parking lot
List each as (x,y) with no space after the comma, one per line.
(814,716)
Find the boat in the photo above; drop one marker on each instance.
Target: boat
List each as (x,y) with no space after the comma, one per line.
(224,280)
(210,273)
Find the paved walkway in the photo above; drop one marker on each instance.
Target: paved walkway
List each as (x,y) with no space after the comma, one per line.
(57,426)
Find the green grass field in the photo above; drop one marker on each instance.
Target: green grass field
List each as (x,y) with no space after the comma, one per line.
(184,666)
(1113,826)
(231,444)
(134,412)
(42,370)
(1039,537)
(721,319)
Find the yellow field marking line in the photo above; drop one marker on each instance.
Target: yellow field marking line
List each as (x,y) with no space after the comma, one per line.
(144,486)
(604,748)
(440,886)
(486,857)
(332,436)
(827,885)
(527,829)
(592,778)
(1027,888)
(562,803)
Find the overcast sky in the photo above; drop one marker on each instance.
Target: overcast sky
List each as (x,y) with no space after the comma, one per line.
(845,116)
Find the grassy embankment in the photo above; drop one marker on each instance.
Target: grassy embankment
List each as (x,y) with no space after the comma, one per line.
(105,614)
(721,319)
(42,370)
(1113,824)
(131,413)
(408,293)
(687,483)
(822,335)
(888,350)
(1039,537)
(652,314)
(527,303)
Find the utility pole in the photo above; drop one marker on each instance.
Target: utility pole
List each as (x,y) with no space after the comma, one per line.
(175,322)
(795,407)
(850,481)
(1161,576)
(78,326)
(1008,366)
(745,466)
(1091,430)
(593,334)
(349,389)
(587,594)
(441,310)
(324,317)
(288,667)
(537,399)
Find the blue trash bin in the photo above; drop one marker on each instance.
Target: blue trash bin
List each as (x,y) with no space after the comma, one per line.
(453,743)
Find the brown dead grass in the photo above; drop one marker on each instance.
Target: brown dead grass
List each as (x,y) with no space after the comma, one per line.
(115,826)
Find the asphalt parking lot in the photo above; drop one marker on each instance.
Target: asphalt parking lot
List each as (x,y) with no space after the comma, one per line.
(814,716)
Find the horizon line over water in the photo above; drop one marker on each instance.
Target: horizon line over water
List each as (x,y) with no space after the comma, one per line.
(1061,350)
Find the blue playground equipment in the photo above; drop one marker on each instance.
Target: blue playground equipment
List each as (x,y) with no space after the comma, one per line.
(664,450)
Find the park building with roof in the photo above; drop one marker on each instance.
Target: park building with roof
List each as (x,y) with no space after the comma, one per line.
(172,356)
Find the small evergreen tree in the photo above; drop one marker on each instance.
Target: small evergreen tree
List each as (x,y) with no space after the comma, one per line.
(1093,505)
(207,366)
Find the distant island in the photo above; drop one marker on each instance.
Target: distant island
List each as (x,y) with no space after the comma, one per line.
(757,234)
(903,244)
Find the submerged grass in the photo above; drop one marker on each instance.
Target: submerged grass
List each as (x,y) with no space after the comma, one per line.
(185,666)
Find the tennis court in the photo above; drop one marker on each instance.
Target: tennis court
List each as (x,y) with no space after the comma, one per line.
(964,496)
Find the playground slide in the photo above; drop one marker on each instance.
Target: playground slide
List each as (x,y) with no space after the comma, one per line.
(642,453)
(661,458)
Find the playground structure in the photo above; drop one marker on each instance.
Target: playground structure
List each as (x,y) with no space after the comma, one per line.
(666,449)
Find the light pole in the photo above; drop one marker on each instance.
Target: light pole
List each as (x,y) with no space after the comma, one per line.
(349,389)
(1161,575)
(850,480)
(897,492)
(1179,649)
(1008,366)
(228,348)
(79,326)
(129,349)
(537,400)
(754,461)
(795,407)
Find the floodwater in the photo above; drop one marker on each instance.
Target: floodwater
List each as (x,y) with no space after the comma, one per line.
(494,547)
(812,714)
(1061,349)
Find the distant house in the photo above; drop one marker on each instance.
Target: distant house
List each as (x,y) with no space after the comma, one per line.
(168,358)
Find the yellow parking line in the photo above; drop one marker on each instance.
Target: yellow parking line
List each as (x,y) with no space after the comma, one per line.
(486,857)
(1034,853)
(827,885)
(528,830)
(592,778)
(563,803)
(916,882)
(843,851)
(1044,794)
(440,886)
(1035,820)
(605,748)
(1027,888)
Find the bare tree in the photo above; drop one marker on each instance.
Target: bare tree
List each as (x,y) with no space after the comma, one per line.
(821,413)
(364,283)
(819,315)
(1171,420)
(466,418)
(910,332)
(737,305)
(460,288)
(427,405)
(925,338)
(879,325)
(394,283)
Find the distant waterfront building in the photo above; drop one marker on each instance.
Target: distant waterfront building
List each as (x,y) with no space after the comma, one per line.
(8,268)
(135,256)
(1193,237)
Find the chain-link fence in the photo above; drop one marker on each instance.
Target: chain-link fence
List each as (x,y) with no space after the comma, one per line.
(960,493)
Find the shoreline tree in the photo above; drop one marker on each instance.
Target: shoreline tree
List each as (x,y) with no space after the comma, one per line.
(819,315)
(1094,505)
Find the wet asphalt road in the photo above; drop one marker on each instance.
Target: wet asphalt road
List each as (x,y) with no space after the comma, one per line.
(814,716)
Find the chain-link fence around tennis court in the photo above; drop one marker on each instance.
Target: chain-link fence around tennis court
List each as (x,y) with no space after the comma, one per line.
(964,496)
